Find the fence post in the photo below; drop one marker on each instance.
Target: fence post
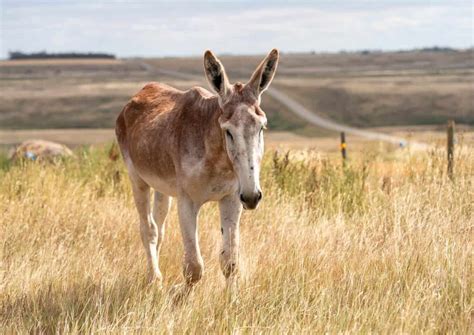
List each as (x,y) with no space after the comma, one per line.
(343,147)
(450,148)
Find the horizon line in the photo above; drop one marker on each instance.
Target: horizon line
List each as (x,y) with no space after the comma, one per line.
(434,48)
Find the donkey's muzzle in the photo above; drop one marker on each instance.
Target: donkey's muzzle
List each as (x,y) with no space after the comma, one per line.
(250,201)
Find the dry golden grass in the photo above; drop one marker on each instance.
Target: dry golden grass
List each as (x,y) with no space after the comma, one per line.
(384,245)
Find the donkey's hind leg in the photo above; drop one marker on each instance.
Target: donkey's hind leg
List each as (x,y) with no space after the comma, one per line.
(161,206)
(148,227)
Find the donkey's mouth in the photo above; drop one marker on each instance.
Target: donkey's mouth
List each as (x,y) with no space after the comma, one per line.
(247,207)
(251,201)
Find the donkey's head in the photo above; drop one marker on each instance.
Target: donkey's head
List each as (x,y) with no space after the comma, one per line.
(242,121)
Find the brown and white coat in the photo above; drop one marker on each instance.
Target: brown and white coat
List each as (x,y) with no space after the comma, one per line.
(197,147)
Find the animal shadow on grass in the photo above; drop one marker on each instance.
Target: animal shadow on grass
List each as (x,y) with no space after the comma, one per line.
(180,294)
(58,307)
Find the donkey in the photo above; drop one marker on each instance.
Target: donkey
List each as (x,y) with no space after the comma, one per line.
(197,147)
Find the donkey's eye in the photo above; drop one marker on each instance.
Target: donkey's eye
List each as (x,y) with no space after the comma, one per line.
(229,135)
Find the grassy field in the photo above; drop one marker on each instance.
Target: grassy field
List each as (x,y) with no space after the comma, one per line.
(384,245)
(378,89)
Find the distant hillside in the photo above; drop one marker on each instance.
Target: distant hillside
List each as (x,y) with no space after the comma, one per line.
(363,90)
(14,55)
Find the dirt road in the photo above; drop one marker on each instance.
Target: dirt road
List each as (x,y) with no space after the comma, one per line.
(304,113)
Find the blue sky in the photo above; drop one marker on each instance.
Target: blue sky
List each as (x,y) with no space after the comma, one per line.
(166,28)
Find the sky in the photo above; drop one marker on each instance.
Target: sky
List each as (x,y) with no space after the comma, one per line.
(181,28)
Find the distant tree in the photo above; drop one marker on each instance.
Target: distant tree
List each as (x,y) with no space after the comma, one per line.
(438,49)
(46,55)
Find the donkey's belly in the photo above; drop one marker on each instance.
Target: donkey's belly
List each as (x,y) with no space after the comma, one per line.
(166,186)
(162,184)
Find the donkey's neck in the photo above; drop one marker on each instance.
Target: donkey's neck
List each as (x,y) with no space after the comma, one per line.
(209,111)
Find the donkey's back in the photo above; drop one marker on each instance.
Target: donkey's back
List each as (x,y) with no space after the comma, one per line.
(154,103)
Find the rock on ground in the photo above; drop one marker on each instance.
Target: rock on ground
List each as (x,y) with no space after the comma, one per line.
(39,150)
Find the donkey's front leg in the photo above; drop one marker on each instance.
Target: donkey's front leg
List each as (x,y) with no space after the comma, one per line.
(193,266)
(230,209)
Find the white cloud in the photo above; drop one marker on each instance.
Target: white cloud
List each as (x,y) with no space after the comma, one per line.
(147,28)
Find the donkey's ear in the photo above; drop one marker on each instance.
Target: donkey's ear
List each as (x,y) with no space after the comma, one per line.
(215,74)
(263,75)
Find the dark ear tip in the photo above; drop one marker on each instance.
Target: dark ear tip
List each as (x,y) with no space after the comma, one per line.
(208,53)
(274,52)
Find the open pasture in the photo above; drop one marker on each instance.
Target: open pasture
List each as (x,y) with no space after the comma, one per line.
(384,245)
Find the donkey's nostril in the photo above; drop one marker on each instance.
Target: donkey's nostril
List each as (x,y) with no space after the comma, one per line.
(260,195)
(242,198)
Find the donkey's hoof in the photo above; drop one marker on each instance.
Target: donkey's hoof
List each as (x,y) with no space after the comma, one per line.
(155,279)
(180,292)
